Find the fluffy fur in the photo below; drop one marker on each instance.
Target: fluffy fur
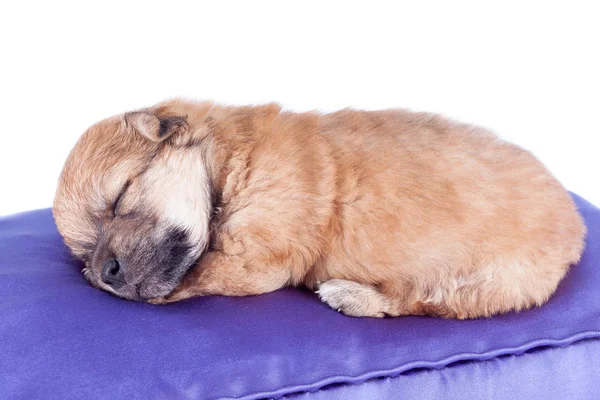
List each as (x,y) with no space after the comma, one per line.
(382,213)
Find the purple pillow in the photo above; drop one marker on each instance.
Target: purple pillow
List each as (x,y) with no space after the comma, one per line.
(60,338)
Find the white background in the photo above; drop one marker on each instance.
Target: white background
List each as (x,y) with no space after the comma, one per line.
(529,71)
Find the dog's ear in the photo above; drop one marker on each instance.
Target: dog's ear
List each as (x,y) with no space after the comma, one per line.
(154,128)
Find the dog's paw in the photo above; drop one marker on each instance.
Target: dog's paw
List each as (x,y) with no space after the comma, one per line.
(87,274)
(162,300)
(353,298)
(158,300)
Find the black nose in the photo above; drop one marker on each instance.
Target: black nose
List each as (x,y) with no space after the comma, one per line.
(112,273)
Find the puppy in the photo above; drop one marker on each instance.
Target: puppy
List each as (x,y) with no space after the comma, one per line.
(382,213)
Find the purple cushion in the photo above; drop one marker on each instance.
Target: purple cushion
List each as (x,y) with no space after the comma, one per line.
(556,373)
(60,338)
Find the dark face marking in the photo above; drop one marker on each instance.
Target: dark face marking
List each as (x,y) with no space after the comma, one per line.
(153,259)
(173,252)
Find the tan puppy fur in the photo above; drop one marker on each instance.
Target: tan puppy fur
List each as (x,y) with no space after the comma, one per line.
(382,213)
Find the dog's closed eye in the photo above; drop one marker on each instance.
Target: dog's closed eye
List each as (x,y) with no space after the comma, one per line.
(117,202)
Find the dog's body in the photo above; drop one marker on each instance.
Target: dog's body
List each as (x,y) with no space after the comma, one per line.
(385,213)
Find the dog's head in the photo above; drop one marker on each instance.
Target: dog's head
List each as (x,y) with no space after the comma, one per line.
(134,204)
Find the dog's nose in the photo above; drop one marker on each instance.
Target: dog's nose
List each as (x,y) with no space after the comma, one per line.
(112,273)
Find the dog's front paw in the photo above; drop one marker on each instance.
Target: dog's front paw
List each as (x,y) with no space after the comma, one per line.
(353,298)
(158,300)
(163,300)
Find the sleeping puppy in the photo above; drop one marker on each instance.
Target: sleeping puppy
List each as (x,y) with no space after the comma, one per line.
(382,213)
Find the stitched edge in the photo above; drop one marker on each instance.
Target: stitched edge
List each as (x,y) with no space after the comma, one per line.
(439,364)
